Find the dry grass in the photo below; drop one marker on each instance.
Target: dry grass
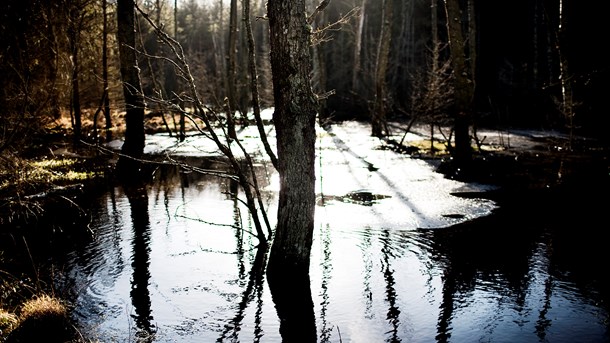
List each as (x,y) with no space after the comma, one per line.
(43,308)
(35,316)
(41,319)
(7,322)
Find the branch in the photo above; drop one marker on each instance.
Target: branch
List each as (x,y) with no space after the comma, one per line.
(318,9)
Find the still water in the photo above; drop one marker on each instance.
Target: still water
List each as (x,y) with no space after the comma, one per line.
(397,257)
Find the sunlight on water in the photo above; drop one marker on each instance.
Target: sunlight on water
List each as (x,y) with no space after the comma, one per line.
(178,261)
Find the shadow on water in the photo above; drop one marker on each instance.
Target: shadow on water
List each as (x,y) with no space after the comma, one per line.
(175,262)
(140,262)
(252,291)
(291,293)
(393,312)
(544,242)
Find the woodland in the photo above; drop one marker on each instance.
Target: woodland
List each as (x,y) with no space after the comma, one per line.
(86,72)
(537,64)
(523,65)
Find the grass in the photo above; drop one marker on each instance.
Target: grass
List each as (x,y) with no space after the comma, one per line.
(39,317)
(8,322)
(42,308)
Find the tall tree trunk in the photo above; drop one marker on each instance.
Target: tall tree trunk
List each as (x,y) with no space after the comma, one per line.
(294,119)
(464,85)
(254,83)
(358,50)
(231,101)
(378,117)
(182,133)
(73,36)
(320,75)
(105,72)
(133,147)
(567,100)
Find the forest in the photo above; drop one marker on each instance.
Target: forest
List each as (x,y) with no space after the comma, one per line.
(531,63)
(89,72)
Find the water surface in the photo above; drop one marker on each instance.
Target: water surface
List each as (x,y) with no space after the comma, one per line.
(396,258)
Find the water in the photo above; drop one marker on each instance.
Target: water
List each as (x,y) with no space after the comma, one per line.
(404,261)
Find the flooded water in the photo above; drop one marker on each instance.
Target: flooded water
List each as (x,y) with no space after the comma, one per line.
(397,257)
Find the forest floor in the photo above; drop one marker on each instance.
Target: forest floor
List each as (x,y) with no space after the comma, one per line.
(528,160)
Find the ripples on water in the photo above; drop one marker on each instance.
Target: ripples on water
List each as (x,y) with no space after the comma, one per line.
(171,264)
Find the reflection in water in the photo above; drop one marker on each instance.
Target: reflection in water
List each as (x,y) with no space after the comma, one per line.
(366,245)
(140,261)
(484,257)
(388,275)
(291,293)
(497,279)
(254,289)
(326,265)
(443,326)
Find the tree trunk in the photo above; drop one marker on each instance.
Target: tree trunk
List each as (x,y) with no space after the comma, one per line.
(133,147)
(256,108)
(464,85)
(319,74)
(567,99)
(378,117)
(294,119)
(105,73)
(358,50)
(73,35)
(231,102)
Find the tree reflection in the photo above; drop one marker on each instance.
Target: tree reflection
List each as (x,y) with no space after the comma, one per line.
(326,266)
(254,289)
(388,275)
(488,254)
(291,293)
(140,261)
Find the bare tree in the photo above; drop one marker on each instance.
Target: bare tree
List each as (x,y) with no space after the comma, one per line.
(464,83)
(105,102)
(76,22)
(231,77)
(133,147)
(379,123)
(294,119)
(244,173)
(567,98)
(254,83)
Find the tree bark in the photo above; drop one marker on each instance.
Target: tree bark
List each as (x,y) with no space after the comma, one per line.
(379,124)
(294,119)
(464,85)
(358,50)
(73,36)
(567,99)
(105,73)
(231,101)
(133,147)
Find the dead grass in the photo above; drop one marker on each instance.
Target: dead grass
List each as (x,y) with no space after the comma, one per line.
(42,308)
(41,319)
(8,321)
